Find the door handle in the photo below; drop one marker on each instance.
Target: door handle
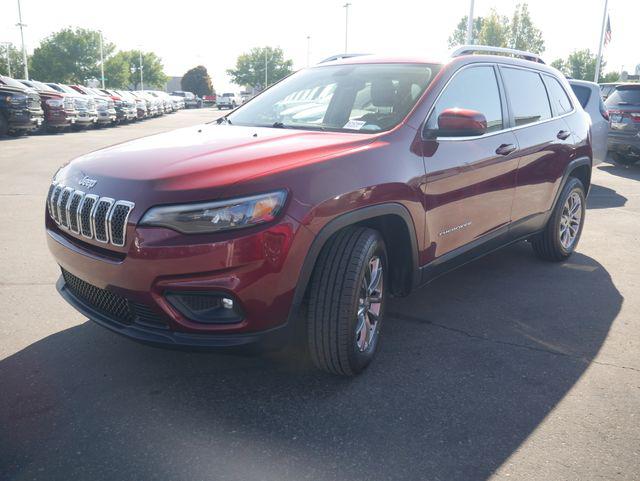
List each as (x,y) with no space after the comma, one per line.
(563,134)
(506,149)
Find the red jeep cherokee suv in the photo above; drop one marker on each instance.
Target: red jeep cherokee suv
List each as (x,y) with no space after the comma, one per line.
(299,213)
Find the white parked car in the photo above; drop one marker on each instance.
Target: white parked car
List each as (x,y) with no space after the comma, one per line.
(228,101)
(590,98)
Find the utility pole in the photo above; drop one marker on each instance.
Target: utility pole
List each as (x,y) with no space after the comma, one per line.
(24,50)
(346,25)
(266,77)
(6,46)
(470,25)
(604,25)
(102,60)
(141,68)
(308,48)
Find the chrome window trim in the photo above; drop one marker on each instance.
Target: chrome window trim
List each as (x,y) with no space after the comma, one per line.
(95,198)
(497,132)
(110,201)
(77,212)
(128,204)
(60,207)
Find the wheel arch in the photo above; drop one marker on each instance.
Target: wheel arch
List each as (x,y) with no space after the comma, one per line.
(395,224)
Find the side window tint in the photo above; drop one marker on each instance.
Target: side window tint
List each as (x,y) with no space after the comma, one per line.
(473,88)
(559,98)
(527,95)
(583,94)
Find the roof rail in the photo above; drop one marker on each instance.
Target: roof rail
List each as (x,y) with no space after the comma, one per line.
(471,49)
(340,56)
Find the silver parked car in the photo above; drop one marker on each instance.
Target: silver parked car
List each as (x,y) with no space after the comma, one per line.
(589,96)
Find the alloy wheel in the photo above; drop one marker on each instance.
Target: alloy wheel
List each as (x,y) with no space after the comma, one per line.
(369,305)
(570,220)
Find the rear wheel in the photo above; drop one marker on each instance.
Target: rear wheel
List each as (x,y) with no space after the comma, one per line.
(346,301)
(624,159)
(562,232)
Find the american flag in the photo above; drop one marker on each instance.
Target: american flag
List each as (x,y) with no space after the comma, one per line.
(607,32)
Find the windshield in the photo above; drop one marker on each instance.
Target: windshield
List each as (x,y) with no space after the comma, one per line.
(625,95)
(11,82)
(363,97)
(43,87)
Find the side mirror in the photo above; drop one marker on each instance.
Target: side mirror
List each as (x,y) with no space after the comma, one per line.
(461,123)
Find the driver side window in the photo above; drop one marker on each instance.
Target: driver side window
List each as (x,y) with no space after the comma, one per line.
(474,88)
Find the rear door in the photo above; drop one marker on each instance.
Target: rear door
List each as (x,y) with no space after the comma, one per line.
(545,140)
(470,180)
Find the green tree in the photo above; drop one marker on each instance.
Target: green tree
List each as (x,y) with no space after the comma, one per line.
(580,65)
(68,56)
(250,67)
(15,60)
(117,71)
(459,35)
(523,34)
(498,31)
(197,80)
(122,70)
(494,31)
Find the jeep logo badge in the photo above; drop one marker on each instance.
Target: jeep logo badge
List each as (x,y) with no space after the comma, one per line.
(87,182)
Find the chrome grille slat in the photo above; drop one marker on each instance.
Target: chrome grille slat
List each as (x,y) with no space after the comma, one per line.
(117,221)
(55,196)
(101,218)
(72,211)
(85,210)
(62,207)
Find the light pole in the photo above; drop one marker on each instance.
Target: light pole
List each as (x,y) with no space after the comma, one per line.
(346,25)
(470,25)
(102,60)
(266,77)
(6,46)
(24,50)
(141,68)
(599,58)
(308,48)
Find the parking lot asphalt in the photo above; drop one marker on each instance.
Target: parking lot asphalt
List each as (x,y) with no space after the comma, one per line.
(508,368)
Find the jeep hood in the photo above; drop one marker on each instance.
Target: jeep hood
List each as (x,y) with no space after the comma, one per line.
(207,156)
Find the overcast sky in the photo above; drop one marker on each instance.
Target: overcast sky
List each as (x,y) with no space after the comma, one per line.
(186,33)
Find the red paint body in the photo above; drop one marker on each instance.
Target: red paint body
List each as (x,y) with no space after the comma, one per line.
(440,183)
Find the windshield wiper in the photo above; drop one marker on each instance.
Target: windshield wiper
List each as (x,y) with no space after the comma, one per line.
(278,125)
(224,120)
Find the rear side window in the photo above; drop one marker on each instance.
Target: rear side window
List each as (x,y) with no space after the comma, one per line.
(583,93)
(625,95)
(527,95)
(559,98)
(473,88)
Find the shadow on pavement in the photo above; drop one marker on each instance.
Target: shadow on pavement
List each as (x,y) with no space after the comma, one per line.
(601,197)
(627,171)
(469,366)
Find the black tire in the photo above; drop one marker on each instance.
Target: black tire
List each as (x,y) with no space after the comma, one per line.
(547,245)
(624,159)
(334,299)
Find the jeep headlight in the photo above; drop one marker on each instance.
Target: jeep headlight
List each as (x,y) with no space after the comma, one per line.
(217,216)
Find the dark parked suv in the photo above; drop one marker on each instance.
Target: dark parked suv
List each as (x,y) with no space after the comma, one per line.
(623,105)
(295,217)
(20,109)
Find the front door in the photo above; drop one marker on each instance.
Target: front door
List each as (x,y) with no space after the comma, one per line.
(470,181)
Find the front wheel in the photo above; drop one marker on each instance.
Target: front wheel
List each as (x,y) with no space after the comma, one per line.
(346,301)
(562,232)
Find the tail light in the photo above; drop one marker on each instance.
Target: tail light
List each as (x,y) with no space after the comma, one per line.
(635,116)
(604,112)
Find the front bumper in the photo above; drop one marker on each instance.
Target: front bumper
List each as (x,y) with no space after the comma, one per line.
(623,142)
(24,119)
(107,116)
(271,339)
(259,268)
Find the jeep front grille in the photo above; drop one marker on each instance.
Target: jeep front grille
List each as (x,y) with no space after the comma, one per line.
(101,218)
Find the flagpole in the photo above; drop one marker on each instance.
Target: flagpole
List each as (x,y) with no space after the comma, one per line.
(604,25)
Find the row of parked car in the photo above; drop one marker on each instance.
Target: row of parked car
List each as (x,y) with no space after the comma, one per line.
(30,105)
